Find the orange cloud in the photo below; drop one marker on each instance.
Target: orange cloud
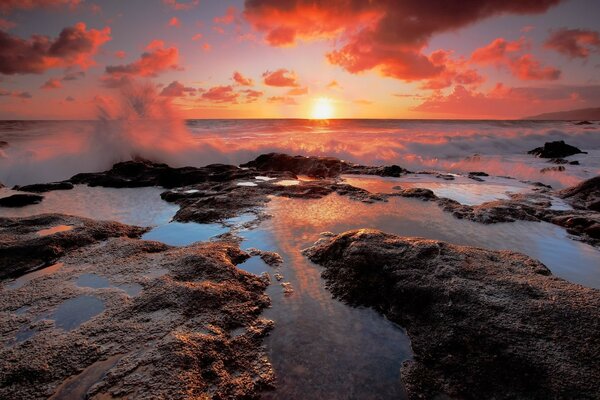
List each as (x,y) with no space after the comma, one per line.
(383,35)
(221,94)
(288,101)
(453,71)
(74,46)
(574,43)
(252,95)
(297,91)
(228,18)
(197,36)
(52,83)
(120,54)
(242,80)
(15,93)
(509,54)
(156,59)
(281,78)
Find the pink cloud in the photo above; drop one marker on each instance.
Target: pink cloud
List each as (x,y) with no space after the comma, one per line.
(156,59)
(252,95)
(387,36)
(221,94)
(197,36)
(524,66)
(52,83)
(15,93)
(120,54)
(228,18)
(181,5)
(297,91)
(174,23)
(288,101)
(176,89)
(242,80)
(7,6)
(74,46)
(281,78)
(574,43)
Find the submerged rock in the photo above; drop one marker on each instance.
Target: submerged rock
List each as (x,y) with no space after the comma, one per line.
(20,200)
(24,249)
(193,331)
(482,323)
(558,168)
(558,149)
(45,187)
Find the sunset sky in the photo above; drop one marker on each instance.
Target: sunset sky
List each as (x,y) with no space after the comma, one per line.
(298,58)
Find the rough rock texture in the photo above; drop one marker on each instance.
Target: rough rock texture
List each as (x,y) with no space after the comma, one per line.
(210,202)
(20,200)
(24,249)
(192,330)
(483,324)
(558,149)
(318,167)
(45,187)
(585,195)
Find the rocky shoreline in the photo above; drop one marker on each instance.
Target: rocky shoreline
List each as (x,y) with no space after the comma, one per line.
(483,324)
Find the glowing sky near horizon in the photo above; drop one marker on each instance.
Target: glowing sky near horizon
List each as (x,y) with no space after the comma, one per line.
(277,59)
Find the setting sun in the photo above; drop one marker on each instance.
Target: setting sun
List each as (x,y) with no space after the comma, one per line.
(322,109)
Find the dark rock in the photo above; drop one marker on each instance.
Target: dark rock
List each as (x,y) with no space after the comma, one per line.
(585,195)
(318,167)
(559,168)
(388,170)
(20,200)
(421,193)
(558,149)
(478,173)
(45,187)
(574,162)
(23,250)
(583,123)
(483,324)
(558,161)
(3,144)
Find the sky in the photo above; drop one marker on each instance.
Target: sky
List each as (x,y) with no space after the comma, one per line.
(473,59)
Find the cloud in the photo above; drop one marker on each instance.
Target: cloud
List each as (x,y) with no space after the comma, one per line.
(174,23)
(383,35)
(120,54)
(503,53)
(453,72)
(7,6)
(73,76)
(252,95)
(5,24)
(176,89)
(52,83)
(297,91)
(181,5)
(70,99)
(281,78)
(15,93)
(574,43)
(363,102)
(221,94)
(505,102)
(333,85)
(228,18)
(242,80)
(156,59)
(197,36)
(74,46)
(288,101)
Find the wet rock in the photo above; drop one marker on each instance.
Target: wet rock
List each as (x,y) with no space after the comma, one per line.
(421,193)
(478,173)
(270,258)
(585,195)
(45,187)
(193,332)
(23,249)
(558,161)
(558,149)
(3,144)
(583,123)
(20,200)
(318,167)
(388,170)
(560,168)
(482,323)
(574,162)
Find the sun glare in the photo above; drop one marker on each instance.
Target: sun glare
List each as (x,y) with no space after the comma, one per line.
(322,109)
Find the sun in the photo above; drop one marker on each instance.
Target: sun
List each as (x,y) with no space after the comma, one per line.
(322,109)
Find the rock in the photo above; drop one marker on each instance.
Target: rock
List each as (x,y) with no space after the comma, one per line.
(558,161)
(421,193)
(483,324)
(558,149)
(574,162)
(3,144)
(23,249)
(583,123)
(45,187)
(560,168)
(388,170)
(585,195)
(270,258)
(193,331)
(318,167)
(20,200)
(478,173)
